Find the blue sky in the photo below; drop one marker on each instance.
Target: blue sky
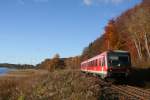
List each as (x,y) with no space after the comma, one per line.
(32,30)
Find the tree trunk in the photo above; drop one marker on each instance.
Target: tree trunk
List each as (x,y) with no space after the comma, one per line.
(137,45)
(138,49)
(146,45)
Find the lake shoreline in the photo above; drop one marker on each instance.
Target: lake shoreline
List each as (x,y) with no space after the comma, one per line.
(4,70)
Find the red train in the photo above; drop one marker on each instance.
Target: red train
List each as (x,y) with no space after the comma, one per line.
(109,64)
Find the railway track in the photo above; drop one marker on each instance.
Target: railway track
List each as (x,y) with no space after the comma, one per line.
(126,91)
(148,90)
(132,93)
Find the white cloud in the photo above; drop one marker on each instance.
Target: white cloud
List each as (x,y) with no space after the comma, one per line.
(87,2)
(90,2)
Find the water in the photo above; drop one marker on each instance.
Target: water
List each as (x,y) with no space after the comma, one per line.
(4,70)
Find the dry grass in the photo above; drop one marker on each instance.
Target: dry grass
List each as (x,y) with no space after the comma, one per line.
(57,85)
(40,85)
(16,83)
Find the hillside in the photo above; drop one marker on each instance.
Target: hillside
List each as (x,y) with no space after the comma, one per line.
(130,31)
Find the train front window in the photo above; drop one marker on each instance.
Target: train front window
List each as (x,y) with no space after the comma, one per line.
(118,60)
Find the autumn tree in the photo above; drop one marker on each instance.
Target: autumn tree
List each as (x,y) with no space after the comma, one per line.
(94,48)
(73,62)
(143,25)
(52,64)
(112,36)
(138,26)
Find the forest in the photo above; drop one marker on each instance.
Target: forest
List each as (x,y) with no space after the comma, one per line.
(130,31)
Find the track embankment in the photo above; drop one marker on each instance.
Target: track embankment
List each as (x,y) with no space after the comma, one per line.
(123,92)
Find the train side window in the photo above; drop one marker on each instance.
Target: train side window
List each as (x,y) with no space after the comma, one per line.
(100,62)
(90,63)
(96,62)
(103,61)
(93,63)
